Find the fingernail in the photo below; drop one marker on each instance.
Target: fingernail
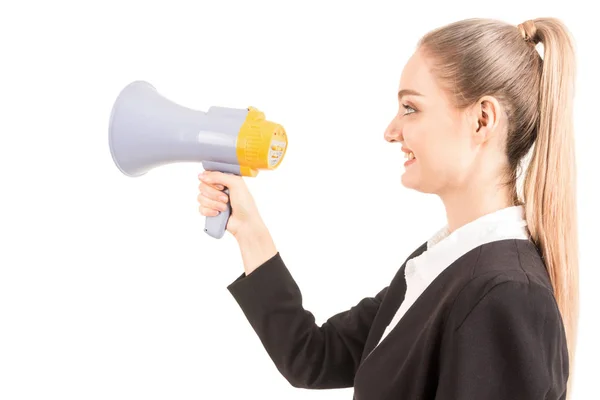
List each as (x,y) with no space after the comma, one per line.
(223,198)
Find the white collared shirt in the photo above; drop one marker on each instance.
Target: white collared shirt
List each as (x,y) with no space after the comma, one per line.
(444,248)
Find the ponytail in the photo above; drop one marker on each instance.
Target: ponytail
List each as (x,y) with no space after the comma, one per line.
(550,181)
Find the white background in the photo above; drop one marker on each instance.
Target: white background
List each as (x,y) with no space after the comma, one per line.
(109,288)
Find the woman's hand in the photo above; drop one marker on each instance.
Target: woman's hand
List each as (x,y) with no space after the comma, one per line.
(245,222)
(244,213)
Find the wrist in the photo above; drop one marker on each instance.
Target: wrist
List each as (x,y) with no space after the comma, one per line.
(250,230)
(256,246)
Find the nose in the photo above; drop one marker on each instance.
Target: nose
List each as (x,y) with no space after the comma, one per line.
(393,132)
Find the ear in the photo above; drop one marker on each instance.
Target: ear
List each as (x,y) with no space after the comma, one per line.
(487,118)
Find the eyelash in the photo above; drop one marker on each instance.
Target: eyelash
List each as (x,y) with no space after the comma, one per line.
(407,107)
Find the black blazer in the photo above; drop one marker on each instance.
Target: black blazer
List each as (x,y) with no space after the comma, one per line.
(488,327)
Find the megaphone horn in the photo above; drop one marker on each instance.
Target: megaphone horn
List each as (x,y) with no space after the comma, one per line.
(146,130)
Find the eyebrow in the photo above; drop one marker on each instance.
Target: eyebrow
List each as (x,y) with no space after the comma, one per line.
(405,92)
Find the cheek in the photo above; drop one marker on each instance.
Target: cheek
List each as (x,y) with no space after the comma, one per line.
(416,136)
(436,145)
(449,159)
(423,138)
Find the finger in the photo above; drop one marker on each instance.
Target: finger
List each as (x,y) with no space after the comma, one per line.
(218,187)
(203,178)
(213,193)
(208,212)
(210,203)
(219,178)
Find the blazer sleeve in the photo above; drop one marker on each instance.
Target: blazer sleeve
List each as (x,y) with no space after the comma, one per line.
(509,345)
(307,355)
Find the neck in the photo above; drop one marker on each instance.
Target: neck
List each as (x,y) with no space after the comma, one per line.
(467,204)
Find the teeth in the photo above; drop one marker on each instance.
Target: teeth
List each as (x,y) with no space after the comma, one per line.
(409,155)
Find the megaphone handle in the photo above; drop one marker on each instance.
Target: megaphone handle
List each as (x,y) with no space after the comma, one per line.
(217,225)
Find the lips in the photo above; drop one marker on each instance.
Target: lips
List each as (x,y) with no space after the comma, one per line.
(408,153)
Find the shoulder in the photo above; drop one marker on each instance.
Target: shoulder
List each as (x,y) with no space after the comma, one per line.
(518,258)
(507,276)
(504,297)
(511,318)
(503,322)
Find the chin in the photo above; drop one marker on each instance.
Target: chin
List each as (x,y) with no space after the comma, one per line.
(409,181)
(413,181)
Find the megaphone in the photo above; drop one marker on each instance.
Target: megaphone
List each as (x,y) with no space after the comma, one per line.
(147,130)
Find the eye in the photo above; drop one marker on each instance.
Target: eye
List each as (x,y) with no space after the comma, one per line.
(409,109)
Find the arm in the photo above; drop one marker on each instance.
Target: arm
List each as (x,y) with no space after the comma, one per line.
(510,345)
(307,355)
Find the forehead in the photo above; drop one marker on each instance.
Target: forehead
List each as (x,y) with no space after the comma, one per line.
(416,76)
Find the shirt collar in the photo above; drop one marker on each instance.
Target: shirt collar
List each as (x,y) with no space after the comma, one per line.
(444,247)
(507,216)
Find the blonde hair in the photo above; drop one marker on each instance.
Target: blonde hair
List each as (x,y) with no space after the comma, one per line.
(477,57)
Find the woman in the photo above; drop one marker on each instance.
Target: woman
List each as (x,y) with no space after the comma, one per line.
(487,307)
